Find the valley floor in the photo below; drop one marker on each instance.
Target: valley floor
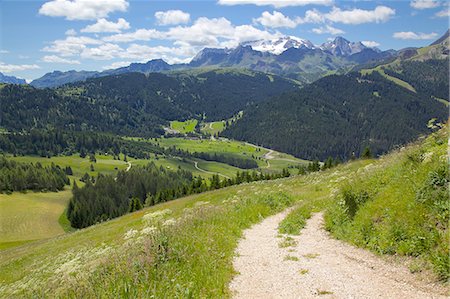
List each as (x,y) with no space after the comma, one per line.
(313,265)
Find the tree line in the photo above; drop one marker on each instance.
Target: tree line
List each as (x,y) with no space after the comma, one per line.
(15,176)
(233,160)
(48,143)
(111,197)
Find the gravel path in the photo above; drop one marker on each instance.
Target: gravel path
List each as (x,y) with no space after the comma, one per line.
(318,266)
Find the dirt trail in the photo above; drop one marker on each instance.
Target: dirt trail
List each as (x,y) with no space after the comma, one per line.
(326,268)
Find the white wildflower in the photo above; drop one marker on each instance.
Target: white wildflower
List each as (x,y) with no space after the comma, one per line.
(156,216)
(201,203)
(169,222)
(130,234)
(426,157)
(148,230)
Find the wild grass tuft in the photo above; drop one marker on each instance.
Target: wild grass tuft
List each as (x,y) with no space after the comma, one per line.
(401,208)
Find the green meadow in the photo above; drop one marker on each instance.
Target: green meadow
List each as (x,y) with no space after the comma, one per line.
(105,163)
(213,128)
(31,216)
(184,127)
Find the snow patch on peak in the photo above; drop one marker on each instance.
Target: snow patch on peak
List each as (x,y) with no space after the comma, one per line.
(279,45)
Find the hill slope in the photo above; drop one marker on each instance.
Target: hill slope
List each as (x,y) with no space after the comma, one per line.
(137,104)
(340,115)
(184,248)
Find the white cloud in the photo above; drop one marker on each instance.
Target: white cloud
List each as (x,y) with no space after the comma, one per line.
(424,4)
(313,16)
(359,16)
(116,65)
(104,25)
(215,32)
(71,32)
(328,30)
(443,13)
(336,15)
(276,3)
(276,20)
(204,32)
(172,17)
(140,34)
(71,45)
(187,40)
(103,52)
(4,51)
(246,33)
(82,9)
(370,43)
(8,68)
(145,53)
(57,59)
(413,35)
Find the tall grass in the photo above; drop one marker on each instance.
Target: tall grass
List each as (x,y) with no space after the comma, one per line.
(185,257)
(401,206)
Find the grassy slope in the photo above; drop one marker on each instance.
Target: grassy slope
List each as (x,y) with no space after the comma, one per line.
(393,79)
(184,127)
(394,206)
(236,148)
(401,208)
(105,164)
(213,128)
(31,216)
(190,259)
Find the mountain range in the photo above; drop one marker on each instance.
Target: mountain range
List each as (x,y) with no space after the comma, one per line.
(11,79)
(380,107)
(287,56)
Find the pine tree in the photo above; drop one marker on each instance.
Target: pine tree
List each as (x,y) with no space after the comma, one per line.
(367,153)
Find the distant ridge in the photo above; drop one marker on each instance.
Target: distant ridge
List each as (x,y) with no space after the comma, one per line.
(11,79)
(288,56)
(442,38)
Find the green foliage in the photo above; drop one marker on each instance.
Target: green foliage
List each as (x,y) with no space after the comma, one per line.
(422,75)
(352,200)
(277,201)
(109,104)
(135,205)
(111,197)
(367,153)
(317,121)
(16,176)
(400,208)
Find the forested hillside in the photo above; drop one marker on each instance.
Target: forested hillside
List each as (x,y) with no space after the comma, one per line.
(136,104)
(429,78)
(341,115)
(26,176)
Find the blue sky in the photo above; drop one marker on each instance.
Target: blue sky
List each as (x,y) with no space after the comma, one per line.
(42,36)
